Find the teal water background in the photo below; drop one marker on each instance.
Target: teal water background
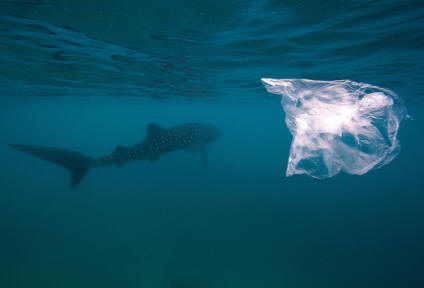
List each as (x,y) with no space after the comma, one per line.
(91,76)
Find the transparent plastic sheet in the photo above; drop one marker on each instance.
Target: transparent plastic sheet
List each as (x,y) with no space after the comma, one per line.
(338,125)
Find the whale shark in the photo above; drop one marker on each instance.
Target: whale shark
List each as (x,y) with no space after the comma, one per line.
(192,137)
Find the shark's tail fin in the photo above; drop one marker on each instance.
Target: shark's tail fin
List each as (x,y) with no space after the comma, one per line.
(77,164)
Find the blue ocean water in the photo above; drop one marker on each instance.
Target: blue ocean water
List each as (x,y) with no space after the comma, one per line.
(91,75)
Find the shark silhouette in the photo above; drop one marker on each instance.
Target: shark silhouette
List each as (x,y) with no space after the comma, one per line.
(191,136)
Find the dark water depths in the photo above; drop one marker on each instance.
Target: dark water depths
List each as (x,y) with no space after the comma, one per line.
(91,76)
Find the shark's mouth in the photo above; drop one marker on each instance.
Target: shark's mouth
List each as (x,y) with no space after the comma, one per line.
(338,125)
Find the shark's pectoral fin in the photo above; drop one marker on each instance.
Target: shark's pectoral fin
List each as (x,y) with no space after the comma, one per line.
(119,164)
(153,157)
(203,157)
(201,152)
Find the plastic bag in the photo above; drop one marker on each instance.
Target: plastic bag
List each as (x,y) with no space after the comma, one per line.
(338,125)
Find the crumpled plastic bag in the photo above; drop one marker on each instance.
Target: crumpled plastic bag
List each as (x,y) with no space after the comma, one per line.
(338,125)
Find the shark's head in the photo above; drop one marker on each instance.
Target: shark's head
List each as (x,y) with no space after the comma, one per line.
(207,132)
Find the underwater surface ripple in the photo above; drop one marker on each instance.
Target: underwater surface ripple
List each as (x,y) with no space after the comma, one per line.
(215,50)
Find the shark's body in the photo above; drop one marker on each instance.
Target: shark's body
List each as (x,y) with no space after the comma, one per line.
(192,136)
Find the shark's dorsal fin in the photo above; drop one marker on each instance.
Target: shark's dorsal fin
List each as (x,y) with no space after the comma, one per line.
(154,130)
(119,149)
